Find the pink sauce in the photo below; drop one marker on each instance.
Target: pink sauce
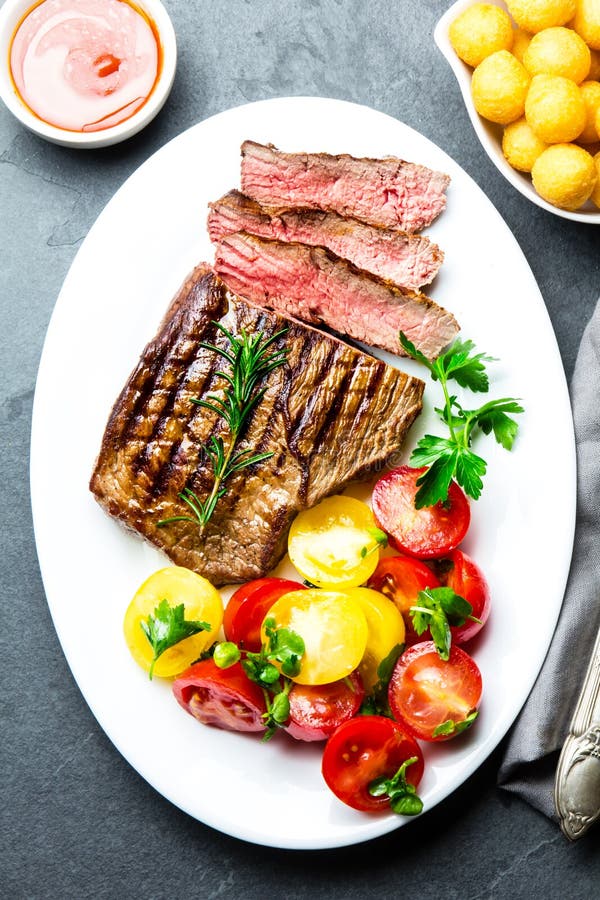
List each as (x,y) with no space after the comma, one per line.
(84,65)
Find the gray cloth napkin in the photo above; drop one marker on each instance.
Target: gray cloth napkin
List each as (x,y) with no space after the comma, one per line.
(531,757)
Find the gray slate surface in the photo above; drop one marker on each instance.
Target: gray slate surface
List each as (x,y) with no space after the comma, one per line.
(76,820)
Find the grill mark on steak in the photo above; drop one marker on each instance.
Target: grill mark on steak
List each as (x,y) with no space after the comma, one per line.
(333,411)
(178,394)
(388,192)
(342,439)
(314,284)
(406,259)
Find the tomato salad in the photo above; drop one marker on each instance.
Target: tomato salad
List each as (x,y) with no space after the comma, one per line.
(364,651)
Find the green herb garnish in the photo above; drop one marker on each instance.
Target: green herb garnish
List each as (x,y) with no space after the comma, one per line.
(403,796)
(168,627)
(450,727)
(283,646)
(452,457)
(380,540)
(376,703)
(251,360)
(437,609)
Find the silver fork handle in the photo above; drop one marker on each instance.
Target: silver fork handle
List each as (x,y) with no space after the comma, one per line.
(577,785)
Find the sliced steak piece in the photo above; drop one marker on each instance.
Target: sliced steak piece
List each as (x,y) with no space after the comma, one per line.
(330,415)
(388,192)
(406,259)
(317,286)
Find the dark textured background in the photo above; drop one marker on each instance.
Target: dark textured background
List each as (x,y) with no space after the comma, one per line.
(76,820)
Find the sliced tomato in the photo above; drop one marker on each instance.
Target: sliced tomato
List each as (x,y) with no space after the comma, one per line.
(201,602)
(224,698)
(362,750)
(317,710)
(334,544)
(401,578)
(466,578)
(432,698)
(385,631)
(247,608)
(333,627)
(425,533)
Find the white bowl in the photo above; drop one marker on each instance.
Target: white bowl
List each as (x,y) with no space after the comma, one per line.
(11,15)
(489,134)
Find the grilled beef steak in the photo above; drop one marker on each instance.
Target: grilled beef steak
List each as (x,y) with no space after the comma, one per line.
(331,414)
(313,284)
(387,192)
(406,259)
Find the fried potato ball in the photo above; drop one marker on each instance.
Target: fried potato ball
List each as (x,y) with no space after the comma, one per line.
(521,145)
(558,51)
(534,15)
(521,41)
(499,87)
(594,73)
(595,195)
(565,175)
(555,109)
(590,91)
(479,31)
(587,22)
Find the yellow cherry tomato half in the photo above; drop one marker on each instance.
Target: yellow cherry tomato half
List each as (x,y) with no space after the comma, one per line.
(333,627)
(201,602)
(333,545)
(385,626)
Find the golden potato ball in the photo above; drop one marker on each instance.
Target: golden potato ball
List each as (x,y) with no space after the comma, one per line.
(594,73)
(587,22)
(499,87)
(597,123)
(558,51)
(521,40)
(555,109)
(521,145)
(590,91)
(595,195)
(535,15)
(565,175)
(482,29)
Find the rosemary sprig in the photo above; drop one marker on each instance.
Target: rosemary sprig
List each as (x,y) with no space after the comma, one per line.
(250,362)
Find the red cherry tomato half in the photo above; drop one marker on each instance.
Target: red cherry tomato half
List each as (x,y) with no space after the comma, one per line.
(224,698)
(425,533)
(401,578)
(432,698)
(317,710)
(247,608)
(467,579)
(362,750)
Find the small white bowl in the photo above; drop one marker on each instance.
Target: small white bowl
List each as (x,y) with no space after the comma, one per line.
(11,15)
(489,134)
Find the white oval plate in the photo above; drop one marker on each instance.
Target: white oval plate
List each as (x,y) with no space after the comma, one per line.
(143,244)
(490,135)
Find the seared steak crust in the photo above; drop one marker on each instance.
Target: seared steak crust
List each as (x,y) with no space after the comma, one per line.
(388,192)
(331,415)
(408,260)
(318,287)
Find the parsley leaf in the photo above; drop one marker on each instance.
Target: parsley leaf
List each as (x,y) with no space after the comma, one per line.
(437,609)
(167,627)
(376,703)
(450,727)
(403,796)
(285,647)
(451,457)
